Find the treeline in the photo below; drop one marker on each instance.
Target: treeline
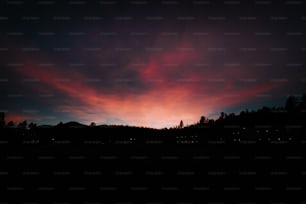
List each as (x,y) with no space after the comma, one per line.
(292,113)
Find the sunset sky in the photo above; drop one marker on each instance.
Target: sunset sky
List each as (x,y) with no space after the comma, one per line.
(148,63)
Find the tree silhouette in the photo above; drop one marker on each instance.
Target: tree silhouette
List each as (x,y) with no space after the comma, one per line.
(202,120)
(2,119)
(181,124)
(32,126)
(23,125)
(291,103)
(10,124)
(222,116)
(303,102)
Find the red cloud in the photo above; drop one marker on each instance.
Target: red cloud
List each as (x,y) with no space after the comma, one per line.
(181,93)
(17,118)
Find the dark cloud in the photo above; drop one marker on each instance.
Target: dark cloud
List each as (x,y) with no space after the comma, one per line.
(147,64)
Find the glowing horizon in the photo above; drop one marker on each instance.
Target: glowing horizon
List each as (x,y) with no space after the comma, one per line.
(145,70)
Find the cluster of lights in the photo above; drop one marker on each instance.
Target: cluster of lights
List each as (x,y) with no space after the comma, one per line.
(187,139)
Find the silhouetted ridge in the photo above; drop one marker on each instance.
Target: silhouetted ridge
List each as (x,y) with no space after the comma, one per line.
(266,125)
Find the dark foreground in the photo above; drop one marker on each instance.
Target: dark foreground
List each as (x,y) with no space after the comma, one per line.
(199,166)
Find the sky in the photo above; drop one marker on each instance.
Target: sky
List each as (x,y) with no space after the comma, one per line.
(148,63)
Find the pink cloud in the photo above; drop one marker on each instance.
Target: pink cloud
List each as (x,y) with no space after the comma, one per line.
(165,103)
